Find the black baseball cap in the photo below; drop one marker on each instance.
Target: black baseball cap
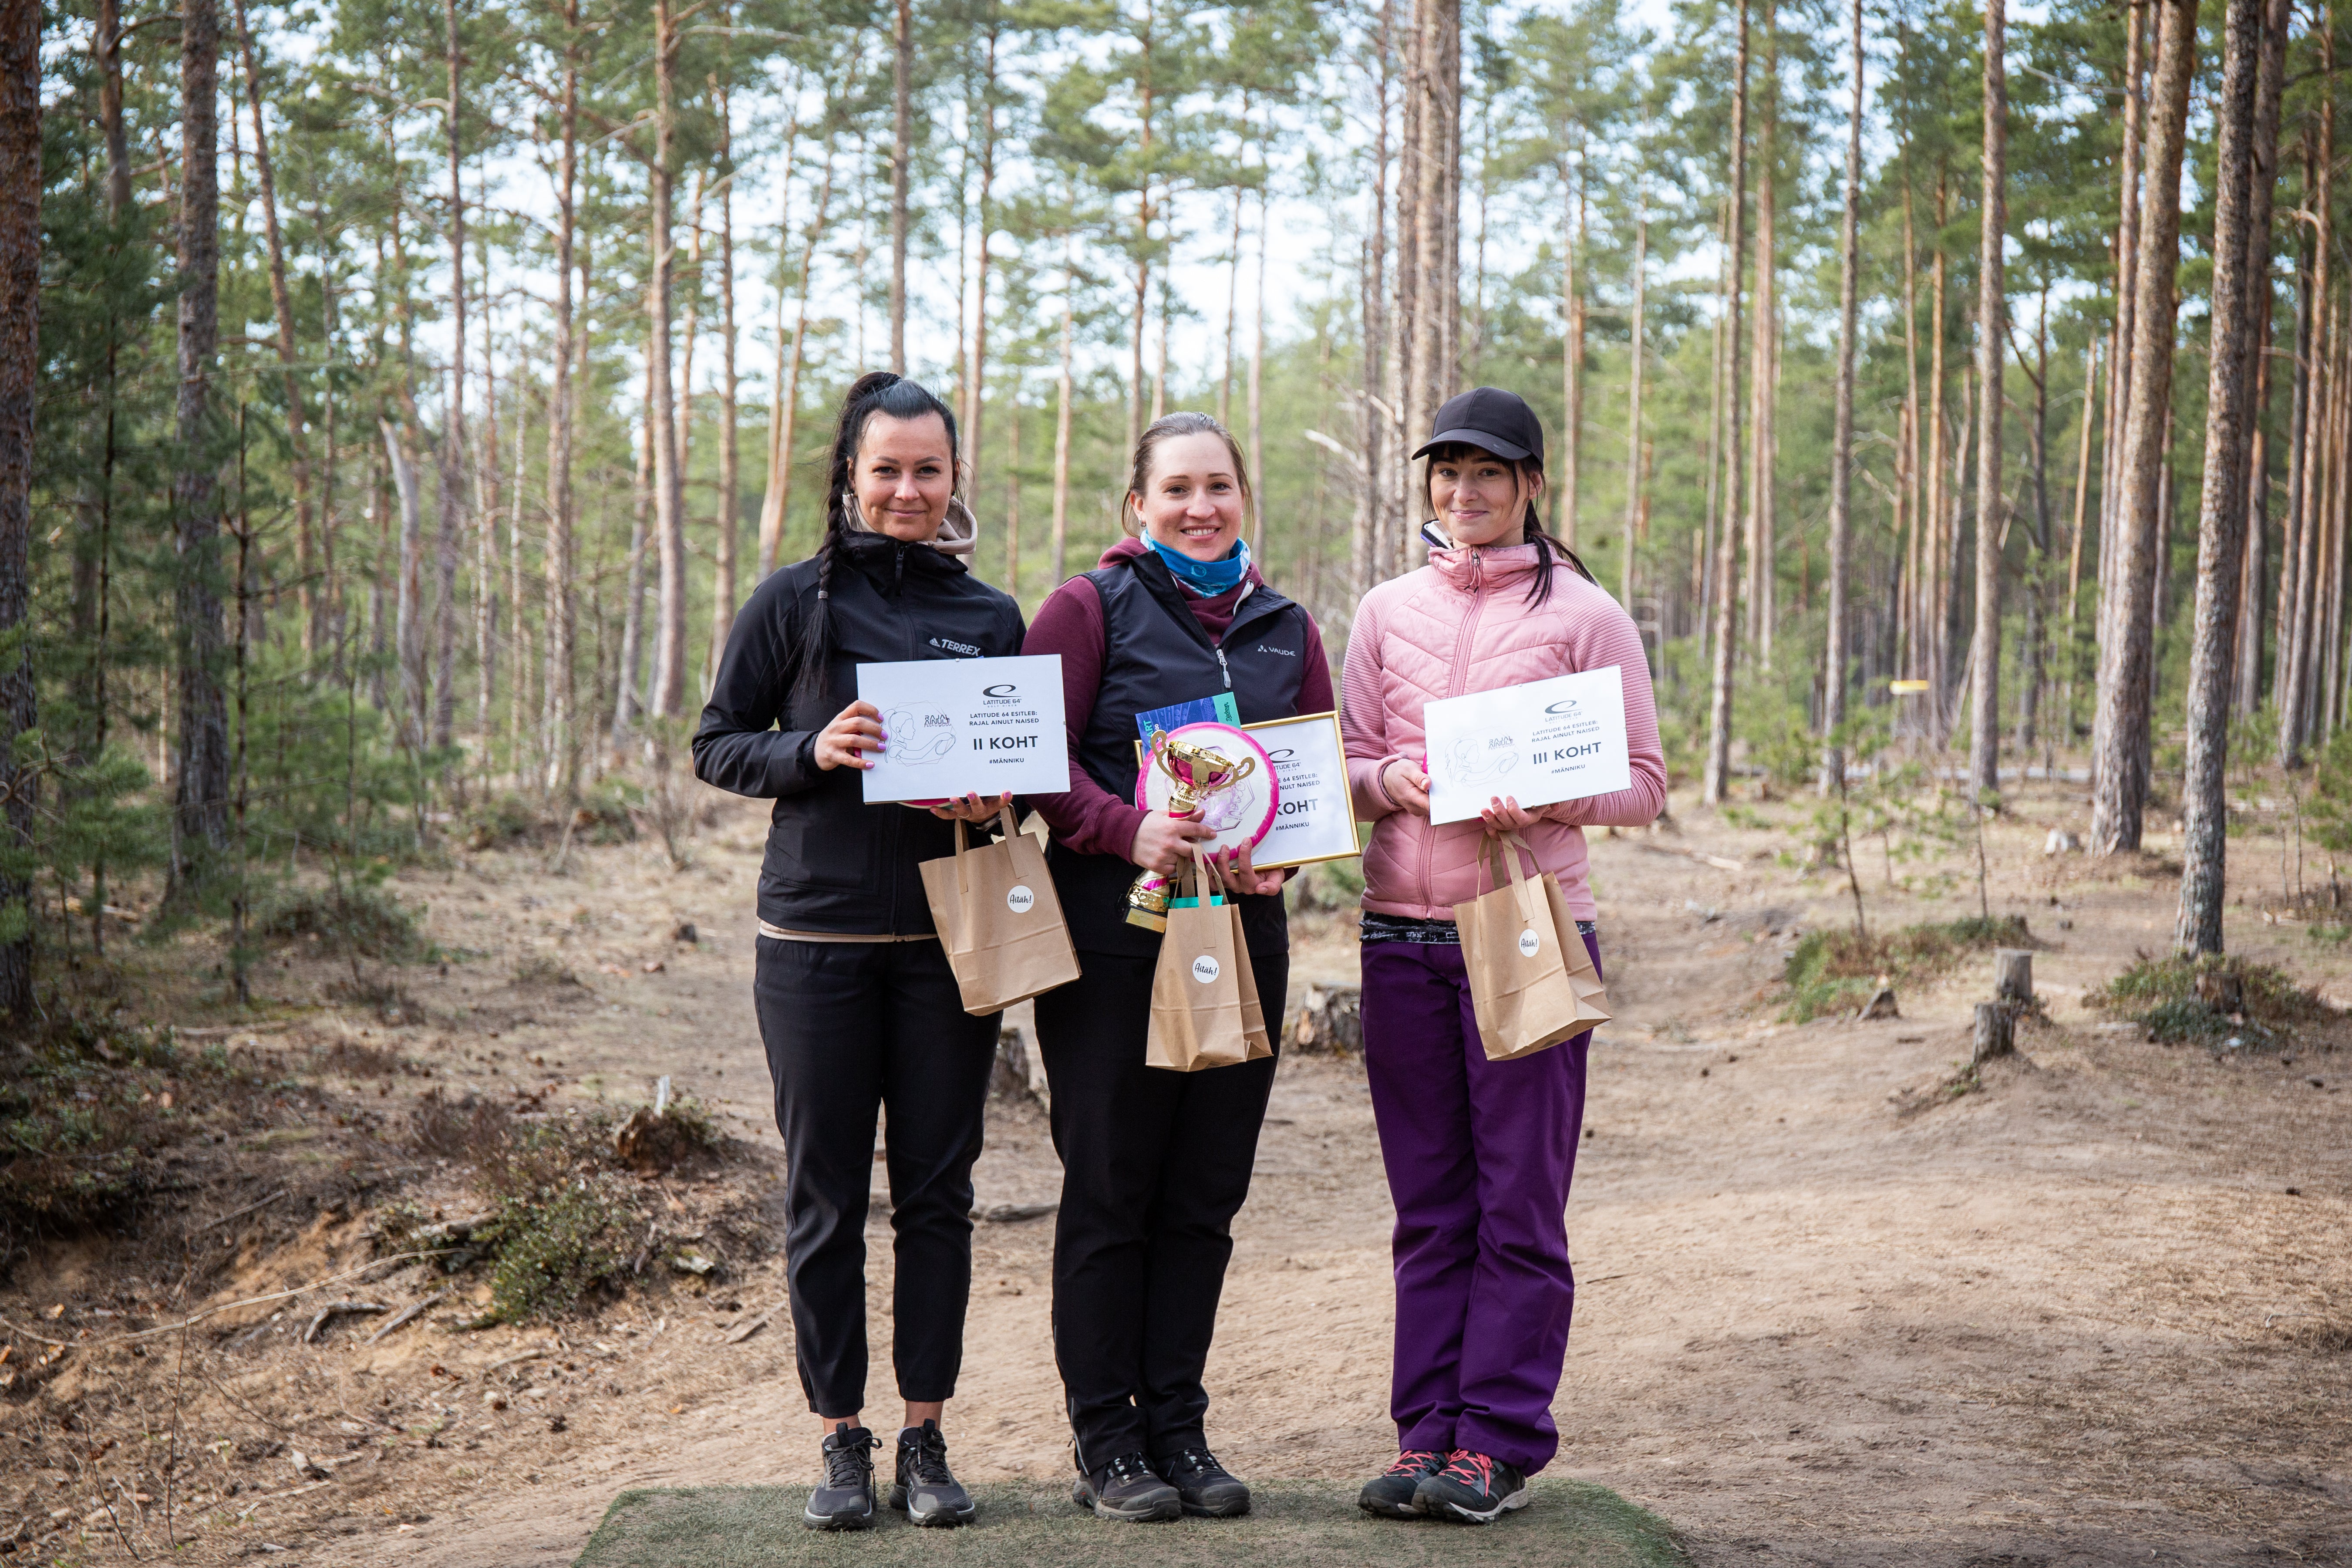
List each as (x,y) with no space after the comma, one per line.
(1491,419)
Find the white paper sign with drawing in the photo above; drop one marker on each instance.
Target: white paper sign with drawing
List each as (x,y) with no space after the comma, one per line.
(1562,739)
(952,726)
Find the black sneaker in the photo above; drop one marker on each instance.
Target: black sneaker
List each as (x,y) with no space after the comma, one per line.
(1127,1488)
(1205,1487)
(926,1491)
(1392,1494)
(1475,1488)
(845,1500)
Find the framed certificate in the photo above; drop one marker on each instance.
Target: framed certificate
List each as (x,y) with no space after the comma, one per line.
(951,726)
(1315,819)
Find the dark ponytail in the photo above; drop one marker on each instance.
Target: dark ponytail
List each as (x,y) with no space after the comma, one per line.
(1533,532)
(876,391)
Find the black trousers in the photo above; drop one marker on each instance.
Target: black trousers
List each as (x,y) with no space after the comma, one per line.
(1154,1165)
(849,1027)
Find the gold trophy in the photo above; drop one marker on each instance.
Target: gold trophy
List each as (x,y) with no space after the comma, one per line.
(1197,773)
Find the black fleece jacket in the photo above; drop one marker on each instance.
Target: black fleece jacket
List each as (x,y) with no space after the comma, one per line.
(834,863)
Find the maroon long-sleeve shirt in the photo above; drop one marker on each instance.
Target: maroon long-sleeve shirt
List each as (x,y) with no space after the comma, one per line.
(1089,818)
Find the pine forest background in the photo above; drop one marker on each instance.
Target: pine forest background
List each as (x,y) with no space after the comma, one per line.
(398,397)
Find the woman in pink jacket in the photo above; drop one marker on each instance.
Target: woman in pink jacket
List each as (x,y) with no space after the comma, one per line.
(1478,1154)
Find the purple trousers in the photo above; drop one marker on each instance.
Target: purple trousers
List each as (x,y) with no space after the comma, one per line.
(1478,1155)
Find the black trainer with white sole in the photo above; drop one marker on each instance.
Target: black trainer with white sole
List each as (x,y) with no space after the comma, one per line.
(1127,1488)
(925,1490)
(1473,1489)
(1205,1487)
(1394,1492)
(845,1500)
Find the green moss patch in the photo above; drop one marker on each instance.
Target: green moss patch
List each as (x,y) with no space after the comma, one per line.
(1023,1524)
(1838,971)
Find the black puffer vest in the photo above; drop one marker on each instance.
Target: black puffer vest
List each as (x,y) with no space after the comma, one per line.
(1156,653)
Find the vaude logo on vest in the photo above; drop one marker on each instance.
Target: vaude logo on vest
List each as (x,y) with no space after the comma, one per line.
(964,648)
(1284,652)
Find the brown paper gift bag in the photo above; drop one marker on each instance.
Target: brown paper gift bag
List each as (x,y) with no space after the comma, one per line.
(1205,1006)
(999,920)
(1532,983)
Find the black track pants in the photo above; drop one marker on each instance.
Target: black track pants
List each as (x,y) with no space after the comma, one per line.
(849,1027)
(1154,1165)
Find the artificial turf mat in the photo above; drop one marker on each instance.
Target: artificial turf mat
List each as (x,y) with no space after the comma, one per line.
(1026,1524)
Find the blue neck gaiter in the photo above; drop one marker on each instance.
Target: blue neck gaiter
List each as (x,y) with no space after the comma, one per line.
(1207,578)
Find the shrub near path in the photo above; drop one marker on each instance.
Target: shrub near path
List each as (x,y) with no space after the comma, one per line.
(2091,1312)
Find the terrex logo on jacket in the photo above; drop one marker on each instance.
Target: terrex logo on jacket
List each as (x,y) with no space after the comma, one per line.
(964,648)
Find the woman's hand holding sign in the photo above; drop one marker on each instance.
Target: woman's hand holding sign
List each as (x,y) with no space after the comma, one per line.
(854,731)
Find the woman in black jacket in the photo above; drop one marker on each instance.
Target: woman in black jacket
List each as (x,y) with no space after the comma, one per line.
(858,1006)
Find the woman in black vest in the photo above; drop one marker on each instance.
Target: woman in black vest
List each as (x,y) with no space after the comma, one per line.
(1155,1162)
(856,1004)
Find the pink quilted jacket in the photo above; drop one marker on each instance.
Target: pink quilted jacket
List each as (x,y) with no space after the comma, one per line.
(1461,623)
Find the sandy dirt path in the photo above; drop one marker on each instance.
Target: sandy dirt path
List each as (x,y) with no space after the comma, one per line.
(2071,1318)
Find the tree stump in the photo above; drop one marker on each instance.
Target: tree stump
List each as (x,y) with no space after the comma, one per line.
(2223,990)
(1881,1005)
(1996,1032)
(1330,1021)
(2012,975)
(1011,1079)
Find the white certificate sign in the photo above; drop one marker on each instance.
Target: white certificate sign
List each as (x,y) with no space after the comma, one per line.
(1562,738)
(954,726)
(1313,819)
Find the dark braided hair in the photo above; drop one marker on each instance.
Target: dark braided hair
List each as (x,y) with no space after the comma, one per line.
(1531,531)
(876,391)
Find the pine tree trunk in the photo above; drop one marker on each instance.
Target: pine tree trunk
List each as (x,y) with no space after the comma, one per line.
(1062,414)
(1142,264)
(1833,671)
(20,321)
(408,608)
(1763,564)
(1012,494)
(486,548)
(773,519)
(105,46)
(453,454)
(1232,314)
(668,693)
(2241,265)
(281,304)
(1257,389)
(2269,91)
(202,800)
(1572,347)
(2030,678)
(2284,684)
(2137,39)
(1716,784)
(629,683)
(727,515)
(2074,540)
(1432,370)
(1938,518)
(559,614)
(1636,354)
(902,152)
(1912,655)
(1992,333)
(2120,744)
(1718,461)
(1374,423)
(976,404)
